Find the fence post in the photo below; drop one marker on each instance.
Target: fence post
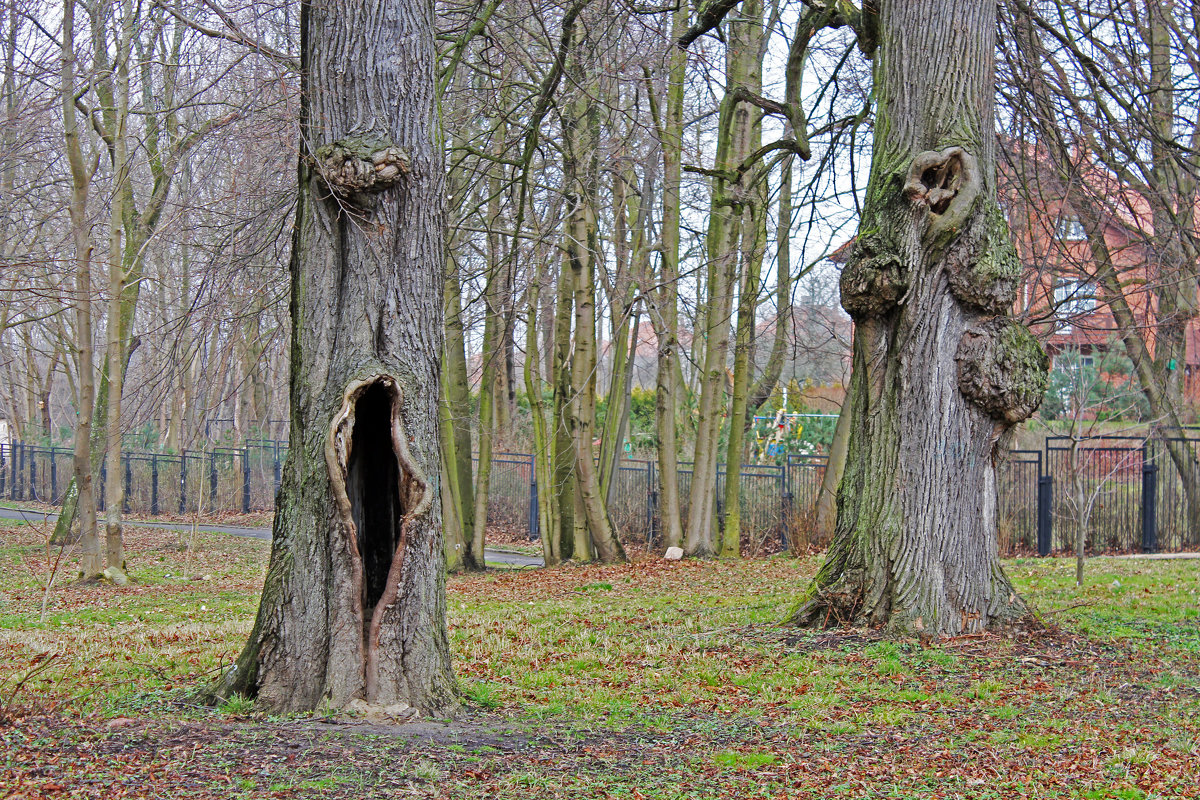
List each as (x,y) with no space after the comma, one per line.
(3,467)
(535,531)
(103,481)
(53,476)
(128,485)
(246,480)
(276,472)
(1149,506)
(18,483)
(651,502)
(33,476)
(785,503)
(183,481)
(1045,497)
(212,481)
(154,484)
(720,484)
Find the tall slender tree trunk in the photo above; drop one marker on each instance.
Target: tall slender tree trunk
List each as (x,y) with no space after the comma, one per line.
(751,280)
(739,128)
(572,534)
(940,371)
(91,560)
(629,209)
(456,428)
(667,385)
(455,406)
(769,379)
(548,508)
(582,176)
(354,605)
(114,488)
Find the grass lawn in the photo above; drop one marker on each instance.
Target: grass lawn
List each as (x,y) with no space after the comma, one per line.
(653,680)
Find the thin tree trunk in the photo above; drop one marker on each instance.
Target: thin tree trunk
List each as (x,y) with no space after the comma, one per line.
(731,535)
(582,196)
(835,468)
(82,493)
(573,542)
(766,383)
(738,124)
(456,427)
(548,509)
(114,488)
(668,387)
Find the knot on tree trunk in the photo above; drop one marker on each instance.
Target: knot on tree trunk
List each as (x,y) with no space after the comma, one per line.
(947,182)
(1002,369)
(357,169)
(982,265)
(874,278)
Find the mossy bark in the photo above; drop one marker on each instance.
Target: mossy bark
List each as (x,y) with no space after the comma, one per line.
(940,373)
(353,606)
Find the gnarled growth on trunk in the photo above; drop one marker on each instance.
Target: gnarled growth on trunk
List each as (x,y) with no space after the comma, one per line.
(940,371)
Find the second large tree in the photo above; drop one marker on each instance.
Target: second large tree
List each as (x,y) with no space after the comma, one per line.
(941,371)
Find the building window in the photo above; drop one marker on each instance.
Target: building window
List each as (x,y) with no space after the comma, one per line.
(1070,229)
(1074,297)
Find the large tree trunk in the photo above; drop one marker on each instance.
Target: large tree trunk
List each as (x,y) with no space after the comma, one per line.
(940,370)
(354,600)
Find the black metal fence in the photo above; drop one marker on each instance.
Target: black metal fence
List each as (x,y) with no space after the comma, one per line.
(241,479)
(1122,494)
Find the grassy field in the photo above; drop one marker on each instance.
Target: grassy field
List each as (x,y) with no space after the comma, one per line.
(653,680)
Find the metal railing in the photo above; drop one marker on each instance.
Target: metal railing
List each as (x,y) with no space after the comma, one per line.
(1122,494)
(195,481)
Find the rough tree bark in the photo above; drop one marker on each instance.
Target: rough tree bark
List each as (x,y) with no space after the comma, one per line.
(353,606)
(940,370)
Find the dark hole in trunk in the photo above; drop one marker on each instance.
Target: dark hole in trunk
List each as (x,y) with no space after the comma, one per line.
(373,488)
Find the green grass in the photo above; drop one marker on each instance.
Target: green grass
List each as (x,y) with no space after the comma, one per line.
(652,680)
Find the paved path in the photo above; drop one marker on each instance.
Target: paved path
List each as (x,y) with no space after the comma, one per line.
(498,557)
(1162,556)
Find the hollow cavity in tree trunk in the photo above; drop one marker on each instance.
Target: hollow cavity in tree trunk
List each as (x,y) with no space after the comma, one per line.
(378,488)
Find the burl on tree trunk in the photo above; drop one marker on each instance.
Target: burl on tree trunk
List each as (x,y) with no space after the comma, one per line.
(353,607)
(940,372)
